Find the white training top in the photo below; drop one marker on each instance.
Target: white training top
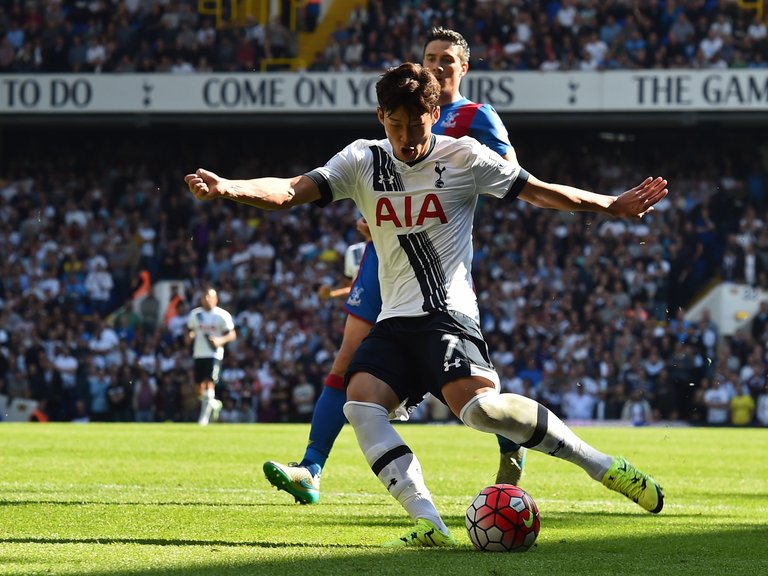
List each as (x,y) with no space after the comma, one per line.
(213,322)
(420,216)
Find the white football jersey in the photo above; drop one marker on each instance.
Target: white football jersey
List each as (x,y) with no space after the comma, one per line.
(420,216)
(205,323)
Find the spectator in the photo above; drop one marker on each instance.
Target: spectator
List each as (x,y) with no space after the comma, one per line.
(149,312)
(578,404)
(761,413)
(717,401)
(303,401)
(103,344)
(99,382)
(596,48)
(742,406)
(66,367)
(7,54)
(170,404)
(353,51)
(229,412)
(277,40)
(510,381)
(119,395)
(77,55)
(182,66)
(311,14)
(759,323)
(711,45)
(15,34)
(246,414)
(99,284)
(95,54)
(145,398)
(637,409)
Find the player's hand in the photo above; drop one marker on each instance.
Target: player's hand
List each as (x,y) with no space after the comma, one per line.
(204,184)
(363,228)
(639,201)
(324,292)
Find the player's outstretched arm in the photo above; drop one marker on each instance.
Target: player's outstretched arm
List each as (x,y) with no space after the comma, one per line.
(325,292)
(265,193)
(634,203)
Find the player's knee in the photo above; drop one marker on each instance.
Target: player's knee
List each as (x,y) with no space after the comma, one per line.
(479,413)
(499,413)
(358,412)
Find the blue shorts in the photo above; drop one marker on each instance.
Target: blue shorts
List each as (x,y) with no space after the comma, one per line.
(364,300)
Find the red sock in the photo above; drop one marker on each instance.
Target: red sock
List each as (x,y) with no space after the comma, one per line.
(334,381)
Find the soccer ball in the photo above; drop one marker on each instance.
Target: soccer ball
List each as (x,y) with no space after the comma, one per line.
(503,518)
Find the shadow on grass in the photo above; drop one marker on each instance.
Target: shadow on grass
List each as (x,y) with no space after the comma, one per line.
(174,542)
(205,503)
(731,550)
(127,503)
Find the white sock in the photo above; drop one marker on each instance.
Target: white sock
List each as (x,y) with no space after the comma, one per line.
(206,406)
(392,460)
(530,424)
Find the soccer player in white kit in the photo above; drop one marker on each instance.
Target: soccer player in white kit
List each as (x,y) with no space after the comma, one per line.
(418,191)
(446,54)
(209,329)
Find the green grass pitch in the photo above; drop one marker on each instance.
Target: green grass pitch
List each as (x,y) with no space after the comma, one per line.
(181,500)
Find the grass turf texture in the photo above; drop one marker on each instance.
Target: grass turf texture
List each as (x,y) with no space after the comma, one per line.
(181,500)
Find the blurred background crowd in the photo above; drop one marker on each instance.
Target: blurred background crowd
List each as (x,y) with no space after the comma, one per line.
(171,36)
(583,313)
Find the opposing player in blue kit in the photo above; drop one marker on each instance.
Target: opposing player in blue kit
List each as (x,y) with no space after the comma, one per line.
(446,54)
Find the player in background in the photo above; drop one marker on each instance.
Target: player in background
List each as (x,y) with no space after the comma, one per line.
(446,54)
(209,329)
(427,337)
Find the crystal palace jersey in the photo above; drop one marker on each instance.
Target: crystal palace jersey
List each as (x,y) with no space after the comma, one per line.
(481,121)
(420,216)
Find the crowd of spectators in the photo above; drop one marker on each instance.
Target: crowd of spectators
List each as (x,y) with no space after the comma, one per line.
(519,35)
(171,36)
(580,311)
(583,313)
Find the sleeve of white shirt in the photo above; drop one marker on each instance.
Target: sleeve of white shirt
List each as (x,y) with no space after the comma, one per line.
(340,177)
(494,175)
(229,324)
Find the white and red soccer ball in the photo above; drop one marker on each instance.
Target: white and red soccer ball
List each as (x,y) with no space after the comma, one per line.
(503,518)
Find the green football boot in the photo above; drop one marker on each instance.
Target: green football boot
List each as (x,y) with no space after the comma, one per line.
(635,485)
(424,534)
(294,479)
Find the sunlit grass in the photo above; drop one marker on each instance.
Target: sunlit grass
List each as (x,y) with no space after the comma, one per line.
(183,500)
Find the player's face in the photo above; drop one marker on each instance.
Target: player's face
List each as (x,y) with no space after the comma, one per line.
(408,133)
(442,59)
(210,299)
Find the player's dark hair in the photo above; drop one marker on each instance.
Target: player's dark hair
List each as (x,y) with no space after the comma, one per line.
(447,35)
(409,85)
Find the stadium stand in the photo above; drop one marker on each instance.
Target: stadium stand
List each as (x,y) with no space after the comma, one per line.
(181,36)
(574,306)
